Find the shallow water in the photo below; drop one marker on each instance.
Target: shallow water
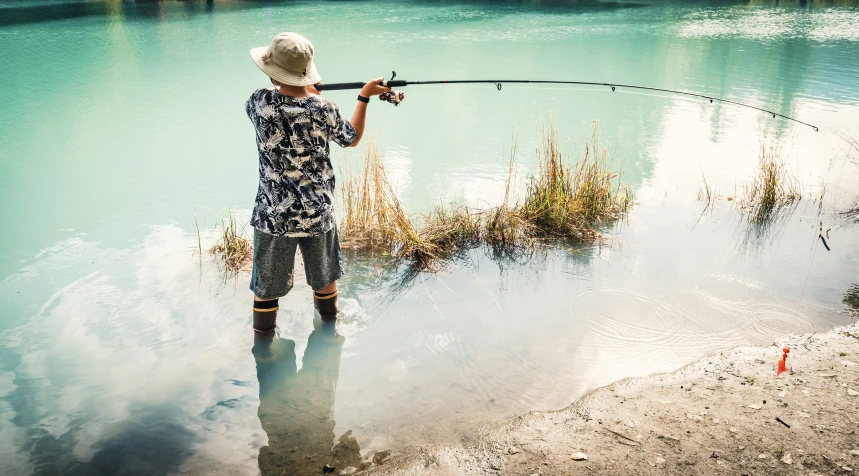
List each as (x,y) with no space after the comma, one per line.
(123,352)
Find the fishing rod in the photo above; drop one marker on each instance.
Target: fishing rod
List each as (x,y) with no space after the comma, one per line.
(396,97)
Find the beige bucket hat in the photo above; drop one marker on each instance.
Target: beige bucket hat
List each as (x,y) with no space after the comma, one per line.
(288,60)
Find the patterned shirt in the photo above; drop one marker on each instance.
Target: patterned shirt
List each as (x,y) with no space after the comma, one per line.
(296,181)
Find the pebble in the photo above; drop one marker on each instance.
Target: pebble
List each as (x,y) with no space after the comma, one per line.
(693,416)
(755,406)
(786,459)
(852,392)
(512,450)
(348,471)
(733,430)
(848,363)
(380,457)
(716,421)
(763,456)
(854,453)
(782,394)
(578,457)
(660,460)
(803,414)
(847,468)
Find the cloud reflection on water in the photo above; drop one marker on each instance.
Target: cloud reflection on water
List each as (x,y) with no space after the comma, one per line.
(119,368)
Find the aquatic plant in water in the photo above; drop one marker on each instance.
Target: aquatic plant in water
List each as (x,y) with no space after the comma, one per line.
(773,187)
(233,250)
(564,200)
(373,217)
(568,200)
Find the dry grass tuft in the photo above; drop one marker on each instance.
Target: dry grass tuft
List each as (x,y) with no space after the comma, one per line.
(233,250)
(505,228)
(568,200)
(374,218)
(562,201)
(773,186)
(452,228)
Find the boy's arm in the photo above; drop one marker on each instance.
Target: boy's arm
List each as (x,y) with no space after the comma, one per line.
(359,118)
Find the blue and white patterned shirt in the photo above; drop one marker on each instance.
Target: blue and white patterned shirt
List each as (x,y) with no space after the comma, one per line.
(296,181)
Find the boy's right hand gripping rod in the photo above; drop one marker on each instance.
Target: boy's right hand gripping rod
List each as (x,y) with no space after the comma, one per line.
(393,97)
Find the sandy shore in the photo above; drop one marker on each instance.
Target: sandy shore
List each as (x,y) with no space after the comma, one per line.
(725,414)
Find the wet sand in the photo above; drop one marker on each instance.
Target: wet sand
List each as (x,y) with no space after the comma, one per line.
(724,414)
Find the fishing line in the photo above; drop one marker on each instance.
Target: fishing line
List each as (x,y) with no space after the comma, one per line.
(817,241)
(396,97)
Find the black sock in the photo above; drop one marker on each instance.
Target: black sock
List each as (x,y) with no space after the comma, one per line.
(321,295)
(265,306)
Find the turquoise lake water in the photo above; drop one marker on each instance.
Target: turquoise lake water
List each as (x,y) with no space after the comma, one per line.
(122,352)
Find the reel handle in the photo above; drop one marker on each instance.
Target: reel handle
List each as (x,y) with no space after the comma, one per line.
(393,97)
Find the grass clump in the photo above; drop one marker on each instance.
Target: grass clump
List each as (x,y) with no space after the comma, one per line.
(567,200)
(452,228)
(233,250)
(505,227)
(705,193)
(563,200)
(773,186)
(375,219)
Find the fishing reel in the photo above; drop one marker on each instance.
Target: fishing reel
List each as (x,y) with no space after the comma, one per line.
(393,97)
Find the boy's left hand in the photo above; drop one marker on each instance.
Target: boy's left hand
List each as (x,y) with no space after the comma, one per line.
(311,88)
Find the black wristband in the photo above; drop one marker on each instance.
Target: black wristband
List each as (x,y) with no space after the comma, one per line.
(363,99)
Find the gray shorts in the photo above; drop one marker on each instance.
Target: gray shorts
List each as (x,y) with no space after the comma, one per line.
(274,262)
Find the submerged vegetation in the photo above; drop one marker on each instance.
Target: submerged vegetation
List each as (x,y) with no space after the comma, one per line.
(564,200)
(233,250)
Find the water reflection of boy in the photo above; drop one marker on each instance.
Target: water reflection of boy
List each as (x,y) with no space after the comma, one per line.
(296,407)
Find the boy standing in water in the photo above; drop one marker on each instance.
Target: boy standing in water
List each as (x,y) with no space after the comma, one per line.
(295,201)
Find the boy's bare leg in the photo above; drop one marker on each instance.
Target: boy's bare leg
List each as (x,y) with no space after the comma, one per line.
(332,287)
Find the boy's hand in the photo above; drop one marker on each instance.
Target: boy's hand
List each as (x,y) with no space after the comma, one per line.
(312,89)
(374,88)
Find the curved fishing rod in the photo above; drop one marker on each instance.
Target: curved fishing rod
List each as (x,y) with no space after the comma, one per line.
(395,97)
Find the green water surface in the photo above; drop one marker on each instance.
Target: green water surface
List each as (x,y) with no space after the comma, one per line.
(122,352)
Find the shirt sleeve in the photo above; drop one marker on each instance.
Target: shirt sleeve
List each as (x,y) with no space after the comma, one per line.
(339,129)
(249,105)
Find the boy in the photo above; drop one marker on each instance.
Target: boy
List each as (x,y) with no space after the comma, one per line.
(295,200)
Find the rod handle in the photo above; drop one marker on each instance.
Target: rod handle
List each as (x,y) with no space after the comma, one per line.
(339,86)
(357,85)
